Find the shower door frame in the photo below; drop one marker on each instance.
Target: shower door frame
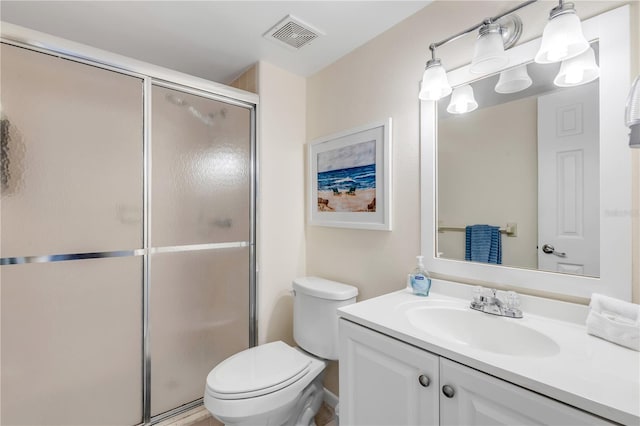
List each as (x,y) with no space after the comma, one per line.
(151,75)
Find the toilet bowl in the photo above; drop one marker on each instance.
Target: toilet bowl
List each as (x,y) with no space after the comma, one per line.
(274,383)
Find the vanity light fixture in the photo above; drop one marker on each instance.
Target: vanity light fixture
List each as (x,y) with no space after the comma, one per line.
(462,100)
(513,80)
(578,70)
(562,37)
(632,114)
(496,34)
(562,40)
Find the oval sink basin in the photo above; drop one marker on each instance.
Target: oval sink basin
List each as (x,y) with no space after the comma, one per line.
(482,331)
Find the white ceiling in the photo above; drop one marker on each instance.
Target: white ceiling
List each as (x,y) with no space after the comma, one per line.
(216,40)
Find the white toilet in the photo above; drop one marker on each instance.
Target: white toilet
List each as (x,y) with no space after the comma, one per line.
(275,384)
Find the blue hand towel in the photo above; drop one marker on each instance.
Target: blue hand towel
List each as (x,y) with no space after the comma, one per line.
(483,244)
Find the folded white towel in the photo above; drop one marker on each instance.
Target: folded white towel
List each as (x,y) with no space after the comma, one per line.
(614,320)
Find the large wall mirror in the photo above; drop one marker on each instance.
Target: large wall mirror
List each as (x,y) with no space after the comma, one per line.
(548,165)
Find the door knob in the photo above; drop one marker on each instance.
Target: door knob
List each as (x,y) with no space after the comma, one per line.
(549,249)
(448,391)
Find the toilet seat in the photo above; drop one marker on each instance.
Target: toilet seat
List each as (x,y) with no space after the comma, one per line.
(257,371)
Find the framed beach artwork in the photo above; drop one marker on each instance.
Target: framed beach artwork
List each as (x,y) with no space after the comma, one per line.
(350,178)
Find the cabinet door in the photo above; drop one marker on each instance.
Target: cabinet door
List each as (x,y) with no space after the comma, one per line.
(380,380)
(480,399)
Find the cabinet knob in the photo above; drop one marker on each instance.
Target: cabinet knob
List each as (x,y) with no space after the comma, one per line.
(424,380)
(448,391)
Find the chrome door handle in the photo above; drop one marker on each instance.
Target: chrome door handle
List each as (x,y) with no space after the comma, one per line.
(549,249)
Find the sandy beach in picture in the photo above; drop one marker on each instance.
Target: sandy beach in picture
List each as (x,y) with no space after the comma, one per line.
(359,201)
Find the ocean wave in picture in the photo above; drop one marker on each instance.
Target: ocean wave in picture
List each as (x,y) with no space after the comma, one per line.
(357,178)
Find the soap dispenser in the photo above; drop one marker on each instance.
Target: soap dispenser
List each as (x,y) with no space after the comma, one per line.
(420,279)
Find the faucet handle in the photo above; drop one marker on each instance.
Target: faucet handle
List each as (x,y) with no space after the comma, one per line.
(513,305)
(478,293)
(513,300)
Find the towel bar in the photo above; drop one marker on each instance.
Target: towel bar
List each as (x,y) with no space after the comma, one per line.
(511,230)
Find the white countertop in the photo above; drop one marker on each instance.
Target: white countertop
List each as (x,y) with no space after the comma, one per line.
(587,372)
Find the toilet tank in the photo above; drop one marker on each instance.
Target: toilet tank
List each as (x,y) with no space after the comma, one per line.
(315,320)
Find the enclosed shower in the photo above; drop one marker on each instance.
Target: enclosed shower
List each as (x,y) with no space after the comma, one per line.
(127,238)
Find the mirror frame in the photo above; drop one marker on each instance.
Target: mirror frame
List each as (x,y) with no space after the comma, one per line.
(612,29)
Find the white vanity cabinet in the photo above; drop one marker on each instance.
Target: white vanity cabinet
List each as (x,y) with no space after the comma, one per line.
(382,383)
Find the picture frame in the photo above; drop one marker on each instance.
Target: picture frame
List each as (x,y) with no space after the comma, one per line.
(349,178)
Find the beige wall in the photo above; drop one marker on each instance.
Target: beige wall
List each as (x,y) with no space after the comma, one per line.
(378,80)
(280,241)
(248,80)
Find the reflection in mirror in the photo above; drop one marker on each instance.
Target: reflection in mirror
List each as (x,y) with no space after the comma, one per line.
(525,161)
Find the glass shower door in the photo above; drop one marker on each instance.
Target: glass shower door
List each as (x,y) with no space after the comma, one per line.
(199,274)
(71,210)
(126,241)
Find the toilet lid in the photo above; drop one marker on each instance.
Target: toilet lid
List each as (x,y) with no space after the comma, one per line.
(257,371)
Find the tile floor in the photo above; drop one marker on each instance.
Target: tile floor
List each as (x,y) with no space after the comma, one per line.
(325,416)
(200,417)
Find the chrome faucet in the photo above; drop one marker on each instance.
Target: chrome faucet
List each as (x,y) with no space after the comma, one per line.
(490,303)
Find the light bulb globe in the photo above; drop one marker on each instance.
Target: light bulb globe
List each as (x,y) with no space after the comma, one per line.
(434,85)
(488,55)
(513,80)
(562,37)
(581,69)
(462,100)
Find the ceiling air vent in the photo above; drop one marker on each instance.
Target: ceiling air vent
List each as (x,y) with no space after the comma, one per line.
(292,33)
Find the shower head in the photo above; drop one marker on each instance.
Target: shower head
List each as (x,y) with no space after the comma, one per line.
(207,119)
(175,99)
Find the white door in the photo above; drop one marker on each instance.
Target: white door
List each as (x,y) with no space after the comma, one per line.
(568,181)
(384,381)
(472,398)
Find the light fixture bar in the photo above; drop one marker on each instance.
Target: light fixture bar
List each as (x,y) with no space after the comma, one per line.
(434,46)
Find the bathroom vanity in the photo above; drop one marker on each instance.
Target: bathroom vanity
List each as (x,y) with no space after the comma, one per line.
(408,360)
